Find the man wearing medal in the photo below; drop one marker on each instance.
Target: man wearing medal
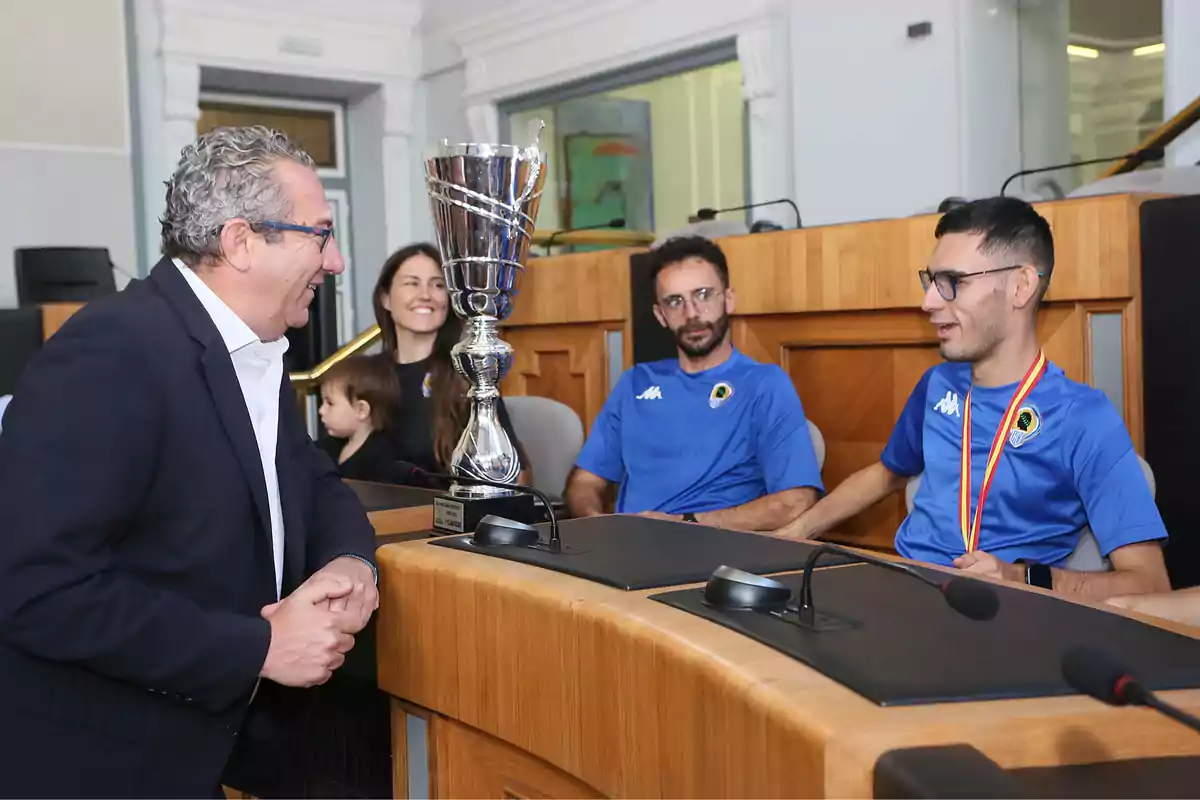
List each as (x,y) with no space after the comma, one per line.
(1015,458)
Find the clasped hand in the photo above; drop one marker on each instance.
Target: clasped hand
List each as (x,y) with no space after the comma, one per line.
(313,628)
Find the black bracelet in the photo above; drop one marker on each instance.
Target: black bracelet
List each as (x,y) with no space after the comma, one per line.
(690,517)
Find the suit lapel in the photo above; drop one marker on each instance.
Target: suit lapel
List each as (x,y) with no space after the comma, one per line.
(231,408)
(222,382)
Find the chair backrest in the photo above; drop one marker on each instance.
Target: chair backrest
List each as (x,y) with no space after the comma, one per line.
(551,435)
(62,274)
(21,337)
(910,491)
(818,443)
(1086,556)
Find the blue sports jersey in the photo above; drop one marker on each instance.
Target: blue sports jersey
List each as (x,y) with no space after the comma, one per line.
(679,443)
(1070,464)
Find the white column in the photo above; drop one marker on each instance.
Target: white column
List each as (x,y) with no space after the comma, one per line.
(484,121)
(989,87)
(1181,34)
(1045,93)
(181,110)
(401,164)
(763,58)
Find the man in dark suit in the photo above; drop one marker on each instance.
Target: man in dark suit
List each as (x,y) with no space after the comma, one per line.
(175,551)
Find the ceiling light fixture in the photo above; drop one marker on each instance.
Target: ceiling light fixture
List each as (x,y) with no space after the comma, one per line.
(1149,49)
(1082,52)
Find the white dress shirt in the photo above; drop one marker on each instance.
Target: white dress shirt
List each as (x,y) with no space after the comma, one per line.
(259,368)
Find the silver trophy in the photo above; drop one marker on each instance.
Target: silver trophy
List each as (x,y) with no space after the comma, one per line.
(484,199)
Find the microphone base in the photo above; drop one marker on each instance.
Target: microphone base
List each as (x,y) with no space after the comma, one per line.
(454,513)
(815,621)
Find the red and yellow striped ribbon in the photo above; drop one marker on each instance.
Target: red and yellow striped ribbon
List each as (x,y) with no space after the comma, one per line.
(970,527)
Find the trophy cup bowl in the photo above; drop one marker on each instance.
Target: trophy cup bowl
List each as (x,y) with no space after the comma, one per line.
(484,199)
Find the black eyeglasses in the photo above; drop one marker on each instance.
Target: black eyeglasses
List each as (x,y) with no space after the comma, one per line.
(947,281)
(325,233)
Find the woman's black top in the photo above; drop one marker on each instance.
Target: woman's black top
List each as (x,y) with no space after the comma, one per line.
(412,424)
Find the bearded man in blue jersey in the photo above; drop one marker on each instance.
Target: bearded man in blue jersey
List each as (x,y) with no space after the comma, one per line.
(711,436)
(1045,456)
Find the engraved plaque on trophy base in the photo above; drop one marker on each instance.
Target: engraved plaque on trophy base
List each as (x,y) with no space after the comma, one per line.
(458,514)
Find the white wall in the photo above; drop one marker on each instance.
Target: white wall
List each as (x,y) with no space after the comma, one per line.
(65,165)
(873,124)
(886,125)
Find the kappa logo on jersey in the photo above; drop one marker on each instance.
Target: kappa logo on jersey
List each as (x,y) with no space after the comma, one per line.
(1027,425)
(948,405)
(719,394)
(652,393)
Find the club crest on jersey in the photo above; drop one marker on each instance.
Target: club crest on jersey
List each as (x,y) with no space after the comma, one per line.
(719,394)
(1026,425)
(427,384)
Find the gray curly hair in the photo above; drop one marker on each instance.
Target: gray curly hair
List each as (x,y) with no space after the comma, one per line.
(223,175)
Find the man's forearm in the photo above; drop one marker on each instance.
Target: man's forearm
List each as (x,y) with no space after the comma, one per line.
(860,491)
(1103,585)
(763,514)
(585,501)
(1181,606)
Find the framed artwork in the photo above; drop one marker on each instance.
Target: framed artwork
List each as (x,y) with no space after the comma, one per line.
(600,176)
(605,146)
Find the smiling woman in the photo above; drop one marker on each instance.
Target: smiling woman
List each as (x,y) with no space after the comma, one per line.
(412,308)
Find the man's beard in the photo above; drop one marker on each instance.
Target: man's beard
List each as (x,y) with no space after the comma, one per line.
(717,329)
(988,340)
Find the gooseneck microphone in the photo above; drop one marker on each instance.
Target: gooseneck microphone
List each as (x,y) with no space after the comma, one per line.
(618,222)
(973,599)
(706,214)
(1139,157)
(497,530)
(1094,672)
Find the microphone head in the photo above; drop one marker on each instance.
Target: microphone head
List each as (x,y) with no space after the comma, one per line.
(1153,153)
(973,599)
(619,222)
(1091,671)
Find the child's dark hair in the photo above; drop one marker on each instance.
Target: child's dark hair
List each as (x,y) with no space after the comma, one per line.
(371,379)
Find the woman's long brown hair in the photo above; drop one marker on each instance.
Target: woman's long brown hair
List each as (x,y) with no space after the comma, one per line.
(447,389)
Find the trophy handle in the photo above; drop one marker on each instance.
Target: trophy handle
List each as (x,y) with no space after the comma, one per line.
(536,159)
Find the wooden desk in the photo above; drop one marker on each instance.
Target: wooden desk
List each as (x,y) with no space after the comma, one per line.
(532,683)
(395,509)
(54,315)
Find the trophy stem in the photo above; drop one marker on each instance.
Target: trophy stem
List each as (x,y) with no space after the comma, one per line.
(484,449)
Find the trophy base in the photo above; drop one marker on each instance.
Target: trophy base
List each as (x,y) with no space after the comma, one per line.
(456,513)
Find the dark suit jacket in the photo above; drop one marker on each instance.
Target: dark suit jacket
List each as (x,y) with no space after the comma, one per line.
(135,550)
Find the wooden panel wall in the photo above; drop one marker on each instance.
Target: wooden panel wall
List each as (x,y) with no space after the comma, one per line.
(838,308)
(568,363)
(873,265)
(582,287)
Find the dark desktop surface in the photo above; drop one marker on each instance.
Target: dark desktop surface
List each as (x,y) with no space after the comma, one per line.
(383,496)
(959,770)
(631,553)
(903,645)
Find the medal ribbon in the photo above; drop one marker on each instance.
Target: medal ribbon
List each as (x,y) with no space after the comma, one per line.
(970,528)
